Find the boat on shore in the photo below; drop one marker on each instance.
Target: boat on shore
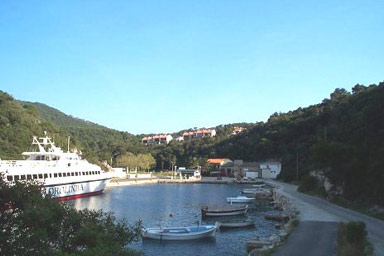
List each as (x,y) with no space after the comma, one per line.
(181,233)
(240,199)
(237,224)
(64,175)
(254,191)
(226,211)
(259,185)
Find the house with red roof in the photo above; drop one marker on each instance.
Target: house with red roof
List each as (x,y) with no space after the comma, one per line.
(157,139)
(199,134)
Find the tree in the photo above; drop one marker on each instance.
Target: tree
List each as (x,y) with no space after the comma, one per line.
(31,223)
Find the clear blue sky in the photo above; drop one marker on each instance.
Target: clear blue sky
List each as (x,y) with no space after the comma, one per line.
(162,66)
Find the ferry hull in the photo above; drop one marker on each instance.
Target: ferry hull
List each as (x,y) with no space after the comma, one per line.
(62,192)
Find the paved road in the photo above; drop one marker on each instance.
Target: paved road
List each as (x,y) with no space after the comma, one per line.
(317,209)
(321,241)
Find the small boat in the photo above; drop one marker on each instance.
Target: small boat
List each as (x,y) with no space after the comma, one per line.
(250,191)
(227,211)
(279,218)
(255,191)
(259,185)
(237,224)
(240,199)
(181,233)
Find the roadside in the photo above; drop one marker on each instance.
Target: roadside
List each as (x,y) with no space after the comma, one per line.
(320,210)
(311,238)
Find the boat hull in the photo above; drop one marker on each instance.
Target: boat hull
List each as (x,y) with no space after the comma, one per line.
(236,224)
(239,200)
(160,234)
(222,213)
(69,191)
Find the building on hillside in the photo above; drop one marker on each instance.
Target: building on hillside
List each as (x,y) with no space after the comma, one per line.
(189,173)
(157,139)
(199,134)
(181,138)
(237,130)
(215,165)
(270,170)
(240,169)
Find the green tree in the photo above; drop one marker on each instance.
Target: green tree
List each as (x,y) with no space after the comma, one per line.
(33,224)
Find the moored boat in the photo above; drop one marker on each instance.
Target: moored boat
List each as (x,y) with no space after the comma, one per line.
(64,175)
(255,191)
(236,224)
(259,185)
(180,233)
(224,211)
(240,199)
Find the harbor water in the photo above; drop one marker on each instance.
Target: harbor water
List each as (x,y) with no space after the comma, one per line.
(179,205)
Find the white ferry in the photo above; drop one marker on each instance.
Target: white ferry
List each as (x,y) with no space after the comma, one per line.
(64,175)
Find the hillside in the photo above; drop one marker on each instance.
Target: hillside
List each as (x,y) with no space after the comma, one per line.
(341,138)
(59,118)
(97,142)
(17,126)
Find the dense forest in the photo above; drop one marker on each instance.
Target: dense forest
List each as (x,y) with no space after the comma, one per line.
(341,137)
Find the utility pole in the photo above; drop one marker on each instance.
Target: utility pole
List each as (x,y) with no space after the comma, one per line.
(297,166)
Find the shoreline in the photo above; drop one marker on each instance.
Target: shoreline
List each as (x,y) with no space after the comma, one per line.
(204,180)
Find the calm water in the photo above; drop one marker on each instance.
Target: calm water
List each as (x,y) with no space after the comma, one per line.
(179,205)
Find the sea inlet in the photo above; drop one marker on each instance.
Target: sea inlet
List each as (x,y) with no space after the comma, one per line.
(179,205)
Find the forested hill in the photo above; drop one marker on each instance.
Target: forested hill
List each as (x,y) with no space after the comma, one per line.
(99,142)
(59,118)
(343,137)
(19,121)
(17,126)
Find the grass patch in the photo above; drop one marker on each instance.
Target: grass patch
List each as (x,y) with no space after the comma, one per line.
(364,209)
(269,251)
(352,240)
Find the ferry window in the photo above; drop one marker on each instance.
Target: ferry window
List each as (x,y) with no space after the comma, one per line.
(83,173)
(76,174)
(50,175)
(35,176)
(55,175)
(68,174)
(45,175)
(16,177)
(9,178)
(72,174)
(22,177)
(87,173)
(64,174)
(93,172)
(40,176)
(60,174)
(29,176)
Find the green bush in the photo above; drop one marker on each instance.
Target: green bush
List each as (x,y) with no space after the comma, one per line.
(352,240)
(33,224)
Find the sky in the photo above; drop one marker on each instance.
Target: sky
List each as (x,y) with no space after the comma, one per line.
(163,66)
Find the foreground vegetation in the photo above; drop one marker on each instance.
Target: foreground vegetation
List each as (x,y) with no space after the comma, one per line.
(31,224)
(352,240)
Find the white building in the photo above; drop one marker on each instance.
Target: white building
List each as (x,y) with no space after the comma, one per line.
(270,170)
(199,134)
(157,139)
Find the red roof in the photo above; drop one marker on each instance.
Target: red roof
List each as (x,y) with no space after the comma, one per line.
(217,160)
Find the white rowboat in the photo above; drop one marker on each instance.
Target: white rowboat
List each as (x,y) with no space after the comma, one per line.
(240,199)
(180,233)
(227,211)
(237,224)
